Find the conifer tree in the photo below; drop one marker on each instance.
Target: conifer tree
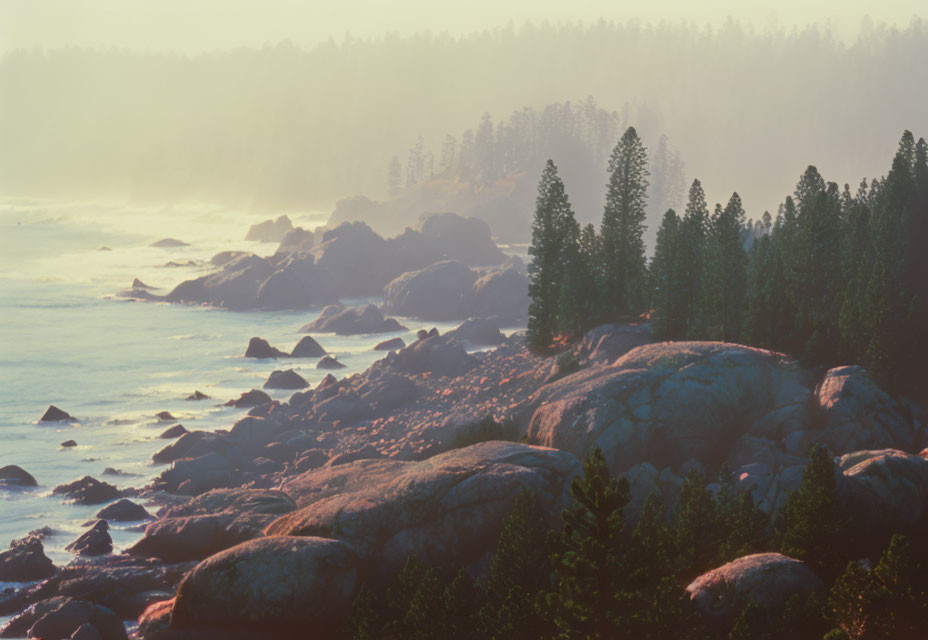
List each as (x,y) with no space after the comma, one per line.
(696,527)
(692,246)
(623,226)
(723,286)
(668,280)
(394,176)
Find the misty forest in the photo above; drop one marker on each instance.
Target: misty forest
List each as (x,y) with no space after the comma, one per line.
(600,330)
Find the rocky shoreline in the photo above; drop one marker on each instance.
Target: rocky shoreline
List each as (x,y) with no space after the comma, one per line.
(340,484)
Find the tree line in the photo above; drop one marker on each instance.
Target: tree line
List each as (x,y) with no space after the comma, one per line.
(603,576)
(837,277)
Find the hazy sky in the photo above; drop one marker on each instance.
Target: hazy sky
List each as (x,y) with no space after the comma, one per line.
(196,25)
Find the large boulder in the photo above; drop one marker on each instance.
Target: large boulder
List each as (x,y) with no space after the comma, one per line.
(234,286)
(12,476)
(269,230)
(357,258)
(297,282)
(253,398)
(460,238)
(480,332)
(434,293)
(765,579)
(123,510)
(87,490)
(446,509)
(352,321)
(297,240)
(377,394)
(271,584)
(307,347)
(96,541)
(54,414)
(439,355)
(261,348)
(288,379)
(25,560)
(606,343)
(70,615)
(390,345)
(669,403)
(500,293)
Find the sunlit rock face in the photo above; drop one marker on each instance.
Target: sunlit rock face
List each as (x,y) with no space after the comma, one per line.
(446,509)
(760,411)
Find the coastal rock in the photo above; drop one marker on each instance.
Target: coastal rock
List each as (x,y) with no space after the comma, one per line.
(173,432)
(392,344)
(54,414)
(269,230)
(234,286)
(66,619)
(288,379)
(376,395)
(138,284)
(12,476)
(168,243)
(86,632)
(328,362)
(224,257)
(766,579)
(307,347)
(25,560)
(253,398)
(297,240)
(441,355)
(197,395)
(297,283)
(461,238)
(358,259)
(480,332)
(191,476)
(352,321)
(446,509)
(96,541)
(67,444)
(605,343)
(500,293)
(165,416)
(87,491)
(123,510)
(260,348)
(278,581)
(191,444)
(433,293)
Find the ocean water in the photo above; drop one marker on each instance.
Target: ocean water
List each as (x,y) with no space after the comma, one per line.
(113,363)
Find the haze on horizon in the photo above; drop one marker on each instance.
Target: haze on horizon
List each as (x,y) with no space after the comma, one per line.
(286,106)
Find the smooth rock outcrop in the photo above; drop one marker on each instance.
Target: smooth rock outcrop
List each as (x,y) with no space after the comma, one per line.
(123,510)
(288,379)
(269,230)
(54,414)
(479,332)
(461,238)
(307,347)
(173,432)
(169,243)
(87,490)
(328,362)
(197,395)
(25,560)
(448,508)
(501,293)
(66,619)
(434,293)
(766,579)
(260,348)
(96,541)
(392,344)
(299,582)
(12,476)
(253,398)
(439,355)
(352,321)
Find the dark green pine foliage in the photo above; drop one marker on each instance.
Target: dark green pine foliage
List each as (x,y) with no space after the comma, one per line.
(588,563)
(764,302)
(669,280)
(696,526)
(519,572)
(623,226)
(744,527)
(809,526)
(546,267)
(576,282)
(723,286)
(857,264)
(692,247)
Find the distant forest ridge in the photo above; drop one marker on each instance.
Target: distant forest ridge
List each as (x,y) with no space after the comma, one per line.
(282,128)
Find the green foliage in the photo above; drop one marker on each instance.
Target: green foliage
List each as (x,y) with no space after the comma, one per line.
(696,525)
(723,283)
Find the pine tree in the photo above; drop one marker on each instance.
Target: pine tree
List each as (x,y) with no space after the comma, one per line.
(623,226)
(692,246)
(696,526)
(668,279)
(546,267)
(723,286)
(394,176)
(576,276)
(589,561)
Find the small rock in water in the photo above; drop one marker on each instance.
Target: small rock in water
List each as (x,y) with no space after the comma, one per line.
(25,560)
(110,471)
(307,347)
(169,242)
(138,284)
(173,432)
(54,414)
(123,510)
(14,476)
(104,248)
(288,379)
(390,345)
(94,542)
(197,395)
(67,444)
(165,416)
(329,362)
(261,348)
(253,398)
(87,490)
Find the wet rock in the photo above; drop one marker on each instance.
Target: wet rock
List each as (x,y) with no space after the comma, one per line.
(288,379)
(86,632)
(269,230)
(448,508)
(766,579)
(197,395)
(191,444)
(13,476)
(392,344)
(67,444)
(352,321)
(479,332)
(87,491)
(25,560)
(123,510)
(54,414)
(191,476)
(253,398)
(173,432)
(165,416)
(260,348)
(138,284)
(60,623)
(169,242)
(307,347)
(328,362)
(243,585)
(96,541)
(434,293)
